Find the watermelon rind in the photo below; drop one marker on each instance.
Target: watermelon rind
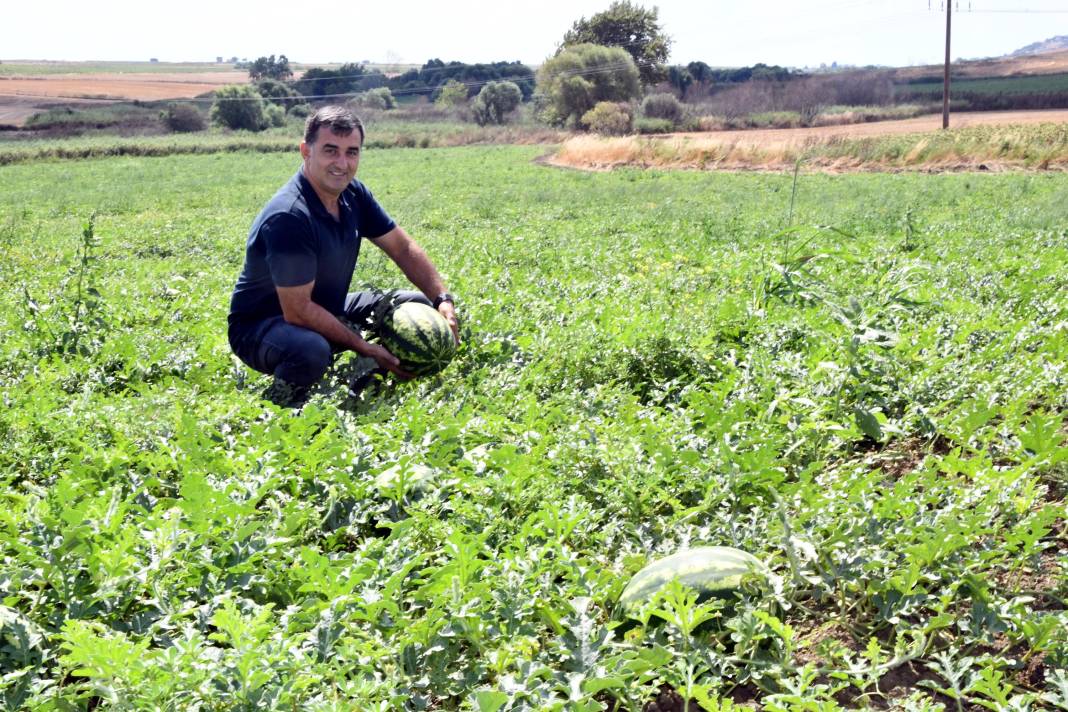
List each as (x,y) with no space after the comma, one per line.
(419,336)
(709,570)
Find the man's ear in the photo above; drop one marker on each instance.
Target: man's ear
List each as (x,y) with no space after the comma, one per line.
(305,149)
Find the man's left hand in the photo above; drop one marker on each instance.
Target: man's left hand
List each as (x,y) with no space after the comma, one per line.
(447,310)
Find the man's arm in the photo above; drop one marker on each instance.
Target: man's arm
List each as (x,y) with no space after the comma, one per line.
(299,309)
(420,271)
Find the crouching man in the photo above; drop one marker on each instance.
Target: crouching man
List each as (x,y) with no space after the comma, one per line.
(287,310)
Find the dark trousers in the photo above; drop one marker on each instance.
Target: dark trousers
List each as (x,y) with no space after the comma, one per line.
(300,356)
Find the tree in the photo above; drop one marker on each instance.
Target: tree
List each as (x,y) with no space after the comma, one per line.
(239,106)
(270,68)
(576,79)
(452,93)
(278,93)
(495,101)
(631,27)
(680,78)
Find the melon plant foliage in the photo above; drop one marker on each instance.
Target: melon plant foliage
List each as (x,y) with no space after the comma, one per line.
(860,379)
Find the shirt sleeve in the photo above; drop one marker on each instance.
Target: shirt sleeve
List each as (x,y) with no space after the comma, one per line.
(290,250)
(374,221)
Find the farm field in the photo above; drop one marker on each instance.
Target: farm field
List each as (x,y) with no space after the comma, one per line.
(860,379)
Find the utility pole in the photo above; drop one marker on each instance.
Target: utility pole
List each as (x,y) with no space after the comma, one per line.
(945,81)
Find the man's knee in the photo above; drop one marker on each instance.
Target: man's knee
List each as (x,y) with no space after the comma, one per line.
(306,360)
(411,296)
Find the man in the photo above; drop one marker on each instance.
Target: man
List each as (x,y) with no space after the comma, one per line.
(287,309)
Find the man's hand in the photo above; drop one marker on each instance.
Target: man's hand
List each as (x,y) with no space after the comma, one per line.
(447,310)
(386,360)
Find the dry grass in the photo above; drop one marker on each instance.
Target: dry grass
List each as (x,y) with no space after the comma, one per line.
(865,147)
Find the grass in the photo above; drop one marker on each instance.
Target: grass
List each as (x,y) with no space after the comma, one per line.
(382,133)
(651,361)
(1043,146)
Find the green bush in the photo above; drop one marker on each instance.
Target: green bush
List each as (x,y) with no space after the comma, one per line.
(300,110)
(184,118)
(609,118)
(453,93)
(377,98)
(653,126)
(239,107)
(662,106)
(275,92)
(275,115)
(495,101)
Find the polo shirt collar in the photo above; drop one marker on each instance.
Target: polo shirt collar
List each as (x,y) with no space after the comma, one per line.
(313,201)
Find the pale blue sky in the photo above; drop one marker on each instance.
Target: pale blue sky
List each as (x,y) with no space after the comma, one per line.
(793,33)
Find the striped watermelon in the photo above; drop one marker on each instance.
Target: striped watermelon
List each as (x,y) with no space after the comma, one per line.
(709,570)
(419,336)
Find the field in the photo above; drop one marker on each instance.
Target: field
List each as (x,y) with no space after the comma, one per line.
(995,85)
(978,141)
(861,379)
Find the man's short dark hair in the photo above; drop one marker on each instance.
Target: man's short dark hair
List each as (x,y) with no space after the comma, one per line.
(339,119)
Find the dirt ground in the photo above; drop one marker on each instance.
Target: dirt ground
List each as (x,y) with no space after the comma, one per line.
(21,97)
(794,137)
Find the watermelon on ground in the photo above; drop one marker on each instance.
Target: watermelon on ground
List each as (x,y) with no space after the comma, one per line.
(709,570)
(419,336)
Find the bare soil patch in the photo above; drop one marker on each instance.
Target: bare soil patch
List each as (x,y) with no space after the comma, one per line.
(23,96)
(146,87)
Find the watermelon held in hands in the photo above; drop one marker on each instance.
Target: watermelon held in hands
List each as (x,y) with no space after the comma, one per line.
(709,570)
(419,336)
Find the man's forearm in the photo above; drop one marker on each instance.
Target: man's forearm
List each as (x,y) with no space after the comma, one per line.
(317,319)
(420,271)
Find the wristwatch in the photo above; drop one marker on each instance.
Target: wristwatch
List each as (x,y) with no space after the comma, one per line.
(443,297)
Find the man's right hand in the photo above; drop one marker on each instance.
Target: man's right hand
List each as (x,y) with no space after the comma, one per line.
(386,360)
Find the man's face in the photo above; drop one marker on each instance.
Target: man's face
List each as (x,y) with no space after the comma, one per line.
(330,163)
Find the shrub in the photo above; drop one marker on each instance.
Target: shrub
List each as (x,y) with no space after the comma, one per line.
(452,94)
(300,110)
(653,126)
(495,101)
(378,98)
(662,106)
(239,106)
(184,118)
(275,115)
(609,118)
(278,93)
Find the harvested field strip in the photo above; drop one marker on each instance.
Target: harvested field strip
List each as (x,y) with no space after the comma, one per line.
(1043,147)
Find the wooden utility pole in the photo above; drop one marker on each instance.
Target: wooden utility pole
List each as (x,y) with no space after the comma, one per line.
(945,81)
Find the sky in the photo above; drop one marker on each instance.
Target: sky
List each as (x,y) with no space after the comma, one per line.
(794,33)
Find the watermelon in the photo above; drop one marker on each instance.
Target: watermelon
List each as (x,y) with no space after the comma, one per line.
(419,336)
(709,570)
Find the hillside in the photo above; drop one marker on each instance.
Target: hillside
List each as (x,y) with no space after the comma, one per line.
(1053,62)
(1053,44)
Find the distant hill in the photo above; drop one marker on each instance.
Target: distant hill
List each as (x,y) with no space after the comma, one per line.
(1053,44)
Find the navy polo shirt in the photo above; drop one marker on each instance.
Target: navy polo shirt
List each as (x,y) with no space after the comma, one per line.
(294,240)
